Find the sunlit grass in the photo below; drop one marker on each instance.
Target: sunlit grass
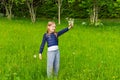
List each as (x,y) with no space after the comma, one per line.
(87,53)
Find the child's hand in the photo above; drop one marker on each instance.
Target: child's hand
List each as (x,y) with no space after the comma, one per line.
(70,26)
(40,56)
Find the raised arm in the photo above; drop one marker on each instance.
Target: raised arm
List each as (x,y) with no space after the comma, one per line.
(62,31)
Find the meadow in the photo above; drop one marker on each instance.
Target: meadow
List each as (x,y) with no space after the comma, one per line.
(86,52)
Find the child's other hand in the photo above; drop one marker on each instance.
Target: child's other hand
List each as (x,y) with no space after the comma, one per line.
(40,56)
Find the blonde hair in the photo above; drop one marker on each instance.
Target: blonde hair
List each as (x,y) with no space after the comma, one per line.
(49,24)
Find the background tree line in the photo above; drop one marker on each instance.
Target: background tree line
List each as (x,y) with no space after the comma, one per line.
(92,9)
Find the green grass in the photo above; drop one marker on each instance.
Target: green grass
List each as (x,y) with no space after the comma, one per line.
(87,52)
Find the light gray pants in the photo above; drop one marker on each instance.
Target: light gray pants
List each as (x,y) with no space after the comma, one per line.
(53,58)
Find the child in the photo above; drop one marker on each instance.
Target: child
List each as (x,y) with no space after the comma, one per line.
(53,56)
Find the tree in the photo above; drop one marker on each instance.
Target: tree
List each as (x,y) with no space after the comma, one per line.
(32,6)
(59,9)
(118,8)
(8,4)
(94,12)
(92,7)
(32,10)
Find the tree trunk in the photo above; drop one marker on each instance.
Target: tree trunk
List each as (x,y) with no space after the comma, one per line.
(59,11)
(32,11)
(8,9)
(94,13)
(59,15)
(33,16)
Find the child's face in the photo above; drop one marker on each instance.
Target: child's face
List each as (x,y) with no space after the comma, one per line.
(52,28)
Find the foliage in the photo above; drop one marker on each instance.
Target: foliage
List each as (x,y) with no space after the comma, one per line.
(69,8)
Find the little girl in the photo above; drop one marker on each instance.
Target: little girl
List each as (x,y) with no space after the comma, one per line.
(53,55)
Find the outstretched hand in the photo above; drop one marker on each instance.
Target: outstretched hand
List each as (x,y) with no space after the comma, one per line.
(70,26)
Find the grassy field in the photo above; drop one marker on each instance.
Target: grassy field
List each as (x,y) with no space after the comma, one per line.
(87,52)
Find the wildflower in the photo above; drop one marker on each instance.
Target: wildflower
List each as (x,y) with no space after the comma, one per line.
(83,23)
(73,53)
(14,73)
(114,77)
(34,56)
